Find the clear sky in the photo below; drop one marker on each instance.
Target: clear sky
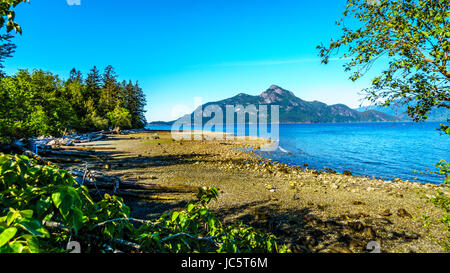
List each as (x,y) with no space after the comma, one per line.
(181,49)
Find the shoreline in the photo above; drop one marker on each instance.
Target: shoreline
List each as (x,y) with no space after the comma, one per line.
(308,210)
(287,123)
(320,170)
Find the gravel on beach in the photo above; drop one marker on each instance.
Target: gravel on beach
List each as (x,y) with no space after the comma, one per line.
(310,211)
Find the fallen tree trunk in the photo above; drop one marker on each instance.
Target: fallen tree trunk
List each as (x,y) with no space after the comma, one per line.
(143,195)
(108,182)
(16,149)
(82,148)
(65,160)
(48,152)
(62,227)
(156,187)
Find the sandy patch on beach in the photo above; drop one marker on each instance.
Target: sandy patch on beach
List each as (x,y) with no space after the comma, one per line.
(310,211)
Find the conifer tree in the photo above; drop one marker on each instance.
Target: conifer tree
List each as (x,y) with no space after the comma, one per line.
(94,85)
(7,48)
(110,90)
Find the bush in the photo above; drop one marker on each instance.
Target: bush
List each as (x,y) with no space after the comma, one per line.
(120,117)
(442,200)
(42,209)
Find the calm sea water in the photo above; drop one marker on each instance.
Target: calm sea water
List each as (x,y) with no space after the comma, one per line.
(384,150)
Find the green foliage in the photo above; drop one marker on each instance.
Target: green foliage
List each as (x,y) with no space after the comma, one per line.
(7,48)
(33,105)
(42,208)
(7,15)
(444,170)
(445,128)
(414,36)
(40,104)
(442,200)
(120,117)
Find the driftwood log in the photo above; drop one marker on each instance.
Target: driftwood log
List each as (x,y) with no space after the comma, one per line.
(82,148)
(51,152)
(108,182)
(16,149)
(97,180)
(141,190)
(65,160)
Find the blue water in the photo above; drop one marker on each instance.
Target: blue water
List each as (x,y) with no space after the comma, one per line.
(383,150)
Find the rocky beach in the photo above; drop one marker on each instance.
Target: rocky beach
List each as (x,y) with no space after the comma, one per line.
(308,210)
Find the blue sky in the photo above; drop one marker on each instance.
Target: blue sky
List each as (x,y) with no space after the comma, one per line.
(182,49)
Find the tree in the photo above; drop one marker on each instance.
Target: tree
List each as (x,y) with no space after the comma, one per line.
(120,117)
(134,102)
(110,90)
(7,48)
(94,85)
(33,104)
(7,15)
(75,76)
(76,94)
(94,120)
(414,35)
(45,93)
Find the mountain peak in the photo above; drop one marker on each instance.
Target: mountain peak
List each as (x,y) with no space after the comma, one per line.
(273,87)
(277,89)
(275,94)
(293,109)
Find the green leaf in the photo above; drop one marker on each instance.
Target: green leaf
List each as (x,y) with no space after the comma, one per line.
(190,207)
(10,177)
(42,206)
(33,243)
(16,247)
(34,227)
(26,213)
(77,219)
(57,198)
(175,216)
(66,205)
(12,215)
(7,235)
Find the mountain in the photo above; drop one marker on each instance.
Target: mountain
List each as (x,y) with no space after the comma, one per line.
(399,111)
(295,110)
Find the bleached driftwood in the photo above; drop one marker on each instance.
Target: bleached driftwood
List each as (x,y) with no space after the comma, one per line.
(108,182)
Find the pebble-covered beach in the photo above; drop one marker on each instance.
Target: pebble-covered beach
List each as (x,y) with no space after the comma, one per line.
(310,211)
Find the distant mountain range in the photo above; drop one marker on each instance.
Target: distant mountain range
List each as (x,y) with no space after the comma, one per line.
(295,110)
(399,111)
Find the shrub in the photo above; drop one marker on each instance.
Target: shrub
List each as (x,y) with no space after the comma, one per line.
(42,209)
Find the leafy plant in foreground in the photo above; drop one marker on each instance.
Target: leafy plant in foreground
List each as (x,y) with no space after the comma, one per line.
(442,200)
(42,209)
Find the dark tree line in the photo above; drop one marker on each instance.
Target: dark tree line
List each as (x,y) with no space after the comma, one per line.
(40,103)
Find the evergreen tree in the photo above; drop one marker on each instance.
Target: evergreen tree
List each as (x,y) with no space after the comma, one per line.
(75,75)
(110,91)
(7,48)
(132,98)
(40,103)
(76,94)
(94,86)
(137,105)
(7,17)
